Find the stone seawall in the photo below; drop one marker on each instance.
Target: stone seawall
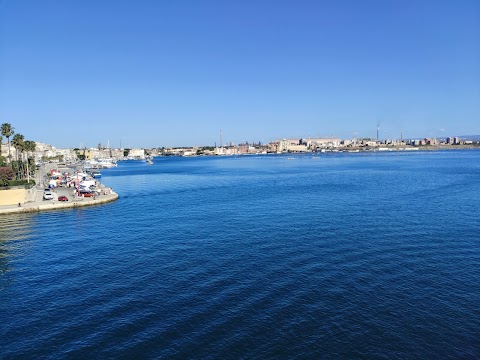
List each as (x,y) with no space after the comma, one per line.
(59,205)
(12,196)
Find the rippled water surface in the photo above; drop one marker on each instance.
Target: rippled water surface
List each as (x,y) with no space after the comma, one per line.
(331,256)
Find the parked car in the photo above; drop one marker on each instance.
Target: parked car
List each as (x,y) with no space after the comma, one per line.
(62,198)
(87,193)
(47,195)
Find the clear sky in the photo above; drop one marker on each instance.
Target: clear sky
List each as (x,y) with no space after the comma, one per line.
(173,73)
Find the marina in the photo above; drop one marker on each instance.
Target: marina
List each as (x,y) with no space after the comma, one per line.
(99,164)
(59,187)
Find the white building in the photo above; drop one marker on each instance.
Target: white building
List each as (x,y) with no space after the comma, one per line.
(291,145)
(322,142)
(137,153)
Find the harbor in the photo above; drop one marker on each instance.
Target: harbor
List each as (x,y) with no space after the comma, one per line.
(58,187)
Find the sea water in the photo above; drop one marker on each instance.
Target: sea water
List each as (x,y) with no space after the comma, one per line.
(365,255)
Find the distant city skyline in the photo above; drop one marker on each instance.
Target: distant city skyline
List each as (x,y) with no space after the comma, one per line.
(153,74)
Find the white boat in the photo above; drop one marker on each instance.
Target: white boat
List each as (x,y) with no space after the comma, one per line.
(100,164)
(107,163)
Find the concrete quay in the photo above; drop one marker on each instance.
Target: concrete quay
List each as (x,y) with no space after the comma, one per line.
(57,205)
(34,201)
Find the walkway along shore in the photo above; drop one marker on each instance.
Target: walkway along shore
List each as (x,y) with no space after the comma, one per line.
(32,200)
(56,205)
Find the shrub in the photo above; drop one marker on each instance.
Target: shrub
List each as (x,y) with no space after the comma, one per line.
(6,174)
(20,182)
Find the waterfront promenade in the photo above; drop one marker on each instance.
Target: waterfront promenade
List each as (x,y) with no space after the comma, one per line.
(34,201)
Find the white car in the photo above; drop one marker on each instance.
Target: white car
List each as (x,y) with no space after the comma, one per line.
(47,195)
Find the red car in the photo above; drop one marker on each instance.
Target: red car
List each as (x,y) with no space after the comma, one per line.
(62,198)
(87,194)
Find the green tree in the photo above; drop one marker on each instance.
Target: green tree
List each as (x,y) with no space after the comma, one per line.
(2,159)
(29,147)
(15,165)
(7,131)
(19,142)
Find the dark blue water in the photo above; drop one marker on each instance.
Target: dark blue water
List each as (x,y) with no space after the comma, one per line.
(330,256)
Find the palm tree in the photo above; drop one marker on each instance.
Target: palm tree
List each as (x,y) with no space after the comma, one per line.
(7,131)
(30,146)
(19,142)
(2,159)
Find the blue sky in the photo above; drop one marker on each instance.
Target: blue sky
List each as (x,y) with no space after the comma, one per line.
(173,73)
